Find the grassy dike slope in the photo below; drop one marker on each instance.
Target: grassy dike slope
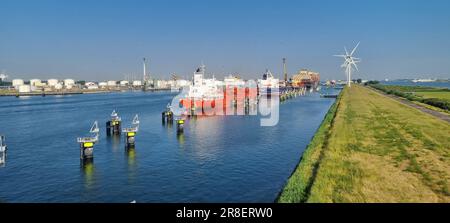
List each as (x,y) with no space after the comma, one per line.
(374,150)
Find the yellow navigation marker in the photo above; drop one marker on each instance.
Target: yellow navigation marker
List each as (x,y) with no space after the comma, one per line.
(88,144)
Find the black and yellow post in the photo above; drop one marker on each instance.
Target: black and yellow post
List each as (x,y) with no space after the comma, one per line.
(167,116)
(87,143)
(114,125)
(163,116)
(180,126)
(108,128)
(130,140)
(86,150)
(130,133)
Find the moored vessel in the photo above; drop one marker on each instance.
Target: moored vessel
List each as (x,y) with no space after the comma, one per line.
(212,96)
(268,85)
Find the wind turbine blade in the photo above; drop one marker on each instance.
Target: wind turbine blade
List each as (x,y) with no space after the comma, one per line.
(346,52)
(354,64)
(353,51)
(339,55)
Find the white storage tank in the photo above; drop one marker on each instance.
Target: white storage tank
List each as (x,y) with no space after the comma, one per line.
(182,83)
(112,83)
(24,88)
(137,83)
(124,83)
(58,86)
(52,82)
(91,85)
(160,83)
(102,84)
(69,82)
(35,82)
(87,84)
(17,82)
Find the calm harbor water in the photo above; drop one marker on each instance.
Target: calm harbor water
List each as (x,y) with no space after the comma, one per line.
(218,159)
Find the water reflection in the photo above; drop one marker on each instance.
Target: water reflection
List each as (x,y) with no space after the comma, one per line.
(207,133)
(88,169)
(130,154)
(180,138)
(24,97)
(2,159)
(114,142)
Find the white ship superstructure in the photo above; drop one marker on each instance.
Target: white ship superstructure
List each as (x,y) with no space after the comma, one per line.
(234,81)
(268,84)
(203,88)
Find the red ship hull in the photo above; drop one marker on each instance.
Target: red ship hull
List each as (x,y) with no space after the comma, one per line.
(231,96)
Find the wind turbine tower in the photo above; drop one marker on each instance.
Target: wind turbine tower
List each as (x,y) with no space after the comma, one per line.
(349,61)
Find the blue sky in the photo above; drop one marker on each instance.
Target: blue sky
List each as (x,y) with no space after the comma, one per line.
(99,40)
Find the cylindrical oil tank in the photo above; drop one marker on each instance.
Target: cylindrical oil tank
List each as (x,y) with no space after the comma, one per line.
(52,82)
(17,82)
(112,83)
(35,82)
(102,84)
(58,86)
(124,83)
(137,83)
(68,82)
(24,88)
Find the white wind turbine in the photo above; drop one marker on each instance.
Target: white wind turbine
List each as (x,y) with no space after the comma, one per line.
(349,61)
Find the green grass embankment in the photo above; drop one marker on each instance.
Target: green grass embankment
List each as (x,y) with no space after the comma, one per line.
(375,150)
(300,182)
